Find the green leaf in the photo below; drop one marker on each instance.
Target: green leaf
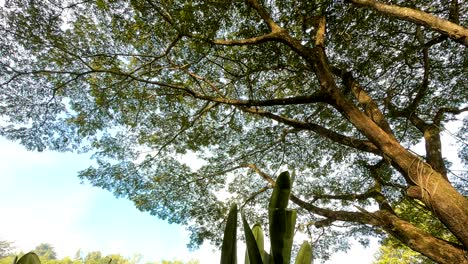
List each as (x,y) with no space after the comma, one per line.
(281,192)
(304,256)
(101,4)
(228,249)
(282,225)
(253,255)
(29,258)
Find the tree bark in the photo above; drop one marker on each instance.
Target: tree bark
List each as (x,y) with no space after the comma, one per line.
(438,194)
(445,27)
(436,249)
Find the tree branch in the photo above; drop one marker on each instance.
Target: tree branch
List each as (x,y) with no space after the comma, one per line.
(264,175)
(306,99)
(264,15)
(356,217)
(333,215)
(422,91)
(440,114)
(437,249)
(250,41)
(347,197)
(370,107)
(327,133)
(452,30)
(320,35)
(433,247)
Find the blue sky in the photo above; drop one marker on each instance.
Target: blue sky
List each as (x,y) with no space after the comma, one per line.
(43,201)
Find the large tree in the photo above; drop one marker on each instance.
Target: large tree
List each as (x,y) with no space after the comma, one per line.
(6,248)
(336,91)
(46,251)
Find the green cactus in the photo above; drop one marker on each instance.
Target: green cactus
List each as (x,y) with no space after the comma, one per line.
(282,223)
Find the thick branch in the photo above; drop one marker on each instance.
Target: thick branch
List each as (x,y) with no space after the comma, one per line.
(356,217)
(303,99)
(418,240)
(452,30)
(250,41)
(433,144)
(327,133)
(369,105)
(264,175)
(440,114)
(264,14)
(320,35)
(436,249)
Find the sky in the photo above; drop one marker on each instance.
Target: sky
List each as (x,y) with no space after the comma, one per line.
(43,201)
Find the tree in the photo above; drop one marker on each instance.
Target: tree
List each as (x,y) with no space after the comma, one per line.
(5,248)
(336,91)
(393,251)
(46,251)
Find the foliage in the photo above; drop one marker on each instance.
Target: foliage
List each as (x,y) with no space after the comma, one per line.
(393,252)
(93,257)
(6,247)
(282,222)
(28,258)
(337,91)
(46,251)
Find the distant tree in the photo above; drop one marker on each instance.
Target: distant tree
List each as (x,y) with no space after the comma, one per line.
(46,251)
(116,259)
(79,255)
(6,248)
(171,262)
(393,252)
(94,257)
(7,259)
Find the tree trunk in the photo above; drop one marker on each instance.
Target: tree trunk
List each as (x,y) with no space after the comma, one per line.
(445,27)
(436,193)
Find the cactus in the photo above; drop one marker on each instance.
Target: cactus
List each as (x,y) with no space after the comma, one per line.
(282,223)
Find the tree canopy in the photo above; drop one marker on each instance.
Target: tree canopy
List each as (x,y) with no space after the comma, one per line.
(93,257)
(6,247)
(46,251)
(337,92)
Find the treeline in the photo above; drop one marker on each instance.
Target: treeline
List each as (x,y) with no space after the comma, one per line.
(47,255)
